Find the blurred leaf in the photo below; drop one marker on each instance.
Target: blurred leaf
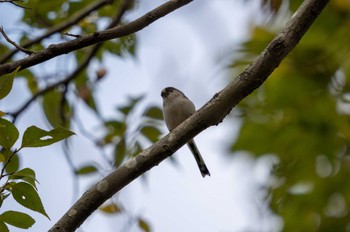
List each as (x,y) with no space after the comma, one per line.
(56,109)
(273,5)
(88,169)
(121,46)
(136,149)
(101,74)
(2,158)
(119,153)
(8,134)
(28,197)
(151,133)
(86,94)
(6,82)
(341,5)
(32,82)
(3,49)
(17,219)
(298,117)
(109,10)
(3,227)
(129,107)
(26,174)
(36,137)
(110,208)
(116,128)
(154,112)
(144,225)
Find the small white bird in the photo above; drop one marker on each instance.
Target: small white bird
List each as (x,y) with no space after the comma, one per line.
(176,109)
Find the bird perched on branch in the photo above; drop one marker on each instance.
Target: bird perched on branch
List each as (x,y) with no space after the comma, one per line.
(176,109)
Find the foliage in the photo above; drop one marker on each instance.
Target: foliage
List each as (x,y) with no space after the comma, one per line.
(21,184)
(301,115)
(59,96)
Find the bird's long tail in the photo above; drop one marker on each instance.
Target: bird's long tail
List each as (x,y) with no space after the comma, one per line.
(197,155)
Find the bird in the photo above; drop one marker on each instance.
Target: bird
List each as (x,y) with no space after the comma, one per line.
(176,109)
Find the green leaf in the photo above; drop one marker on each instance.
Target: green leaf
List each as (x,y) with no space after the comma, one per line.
(8,134)
(3,227)
(17,219)
(151,133)
(121,46)
(111,208)
(6,82)
(3,196)
(144,225)
(133,101)
(32,82)
(86,94)
(86,170)
(36,137)
(116,128)
(26,174)
(119,153)
(13,165)
(27,196)
(2,158)
(154,112)
(56,109)
(136,149)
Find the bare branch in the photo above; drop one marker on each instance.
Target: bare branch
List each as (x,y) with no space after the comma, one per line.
(61,26)
(210,114)
(70,34)
(14,3)
(27,51)
(84,41)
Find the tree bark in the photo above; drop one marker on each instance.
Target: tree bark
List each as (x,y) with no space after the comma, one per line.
(212,113)
(55,50)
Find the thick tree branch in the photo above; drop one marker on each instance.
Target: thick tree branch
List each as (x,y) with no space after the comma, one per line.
(74,19)
(210,114)
(84,41)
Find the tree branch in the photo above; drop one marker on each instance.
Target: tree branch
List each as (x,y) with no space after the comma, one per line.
(27,51)
(13,2)
(83,64)
(210,114)
(60,27)
(63,48)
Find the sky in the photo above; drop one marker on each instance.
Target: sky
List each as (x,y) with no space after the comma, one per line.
(188,49)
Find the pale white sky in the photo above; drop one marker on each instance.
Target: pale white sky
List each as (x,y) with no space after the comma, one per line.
(187,49)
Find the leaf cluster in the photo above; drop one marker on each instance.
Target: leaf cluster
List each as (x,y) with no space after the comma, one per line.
(301,116)
(21,183)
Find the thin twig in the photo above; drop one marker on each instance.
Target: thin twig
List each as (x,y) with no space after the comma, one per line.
(84,63)
(27,51)
(7,162)
(73,20)
(222,104)
(69,34)
(14,3)
(55,50)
